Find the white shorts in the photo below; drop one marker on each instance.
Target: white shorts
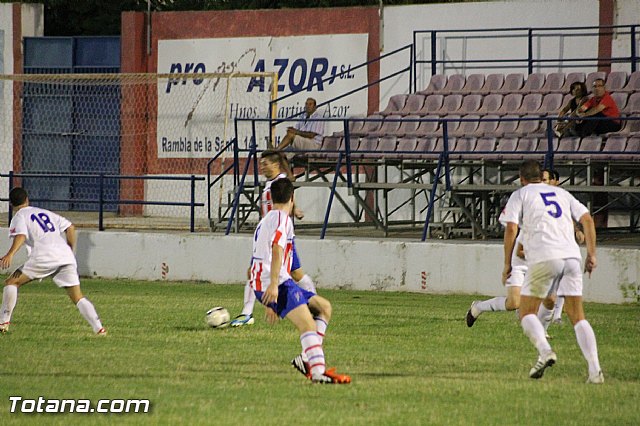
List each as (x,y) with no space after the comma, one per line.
(63,276)
(516,279)
(563,276)
(305,144)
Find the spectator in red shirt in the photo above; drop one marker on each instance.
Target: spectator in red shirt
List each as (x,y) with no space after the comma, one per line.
(601,105)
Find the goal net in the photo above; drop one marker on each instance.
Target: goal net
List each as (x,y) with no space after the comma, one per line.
(135,126)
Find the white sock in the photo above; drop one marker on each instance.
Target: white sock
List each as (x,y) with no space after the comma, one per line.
(249,299)
(545,316)
(557,312)
(9,300)
(587,342)
(89,313)
(321,328)
(307,283)
(534,330)
(312,347)
(491,305)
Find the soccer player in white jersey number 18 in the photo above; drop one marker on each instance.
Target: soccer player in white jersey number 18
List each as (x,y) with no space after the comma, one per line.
(545,216)
(49,254)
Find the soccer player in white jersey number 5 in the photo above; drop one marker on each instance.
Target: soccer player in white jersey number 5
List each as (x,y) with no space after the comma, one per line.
(49,254)
(545,216)
(271,281)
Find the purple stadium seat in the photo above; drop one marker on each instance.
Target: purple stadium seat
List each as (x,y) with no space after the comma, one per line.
(512,83)
(484,147)
(551,104)
(621,100)
(633,104)
(436,84)
(523,147)
(631,151)
(510,104)
(630,128)
(592,76)
(589,147)
(490,104)
(530,104)
(466,128)
(366,147)
(386,145)
(390,126)
(633,85)
(406,144)
(454,85)
(470,104)
(504,150)
(409,125)
(356,125)
(567,146)
(431,104)
(453,123)
(395,104)
(571,78)
(525,128)
(413,105)
(437,149)
(553,83)
(428,127)
(370,126)
(331,145)
(507,126)
(474,84)
(487,126)
(450,105)
(616,80)
(534,83)
(492,83)
(463,148)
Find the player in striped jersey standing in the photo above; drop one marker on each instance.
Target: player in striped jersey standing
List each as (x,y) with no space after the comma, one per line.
(272,284)
(273,166)
(49,254)
(545,217)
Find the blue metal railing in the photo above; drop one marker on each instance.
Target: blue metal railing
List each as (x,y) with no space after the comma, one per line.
(530,34)
(101,201)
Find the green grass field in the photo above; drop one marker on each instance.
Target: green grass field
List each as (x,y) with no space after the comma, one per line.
(411,357)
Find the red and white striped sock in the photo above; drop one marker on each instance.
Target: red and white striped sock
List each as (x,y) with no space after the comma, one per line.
(312,347)
(321,328)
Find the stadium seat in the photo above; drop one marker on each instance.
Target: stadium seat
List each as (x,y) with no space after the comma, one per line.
(492,83)
(533,84)
(450,105)
(395,104)
(484,146)
(551,104)
(553,83)
(571,78)
(409,125)
(505,149)
(413,105)
(507,125)
(487,125)
(631,151)
(630,127)
(490,104)
(431,104)
(454,85)
(466,128)
(331,146)
(366,148)
(474,84)
(428,127)
(633,84)
(470,104)
(616,80)
(386,146)
(633,104)
(371,124)
(524,147)
(510,104)
(436,84)
(587,148)
(530,104)
(615,144)
(390,126)
(512,83)
(463,149)
(525,127)
(453,122)
(592,76)
(620,99)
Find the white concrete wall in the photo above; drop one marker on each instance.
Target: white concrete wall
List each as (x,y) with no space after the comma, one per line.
(401,21)
(432,267)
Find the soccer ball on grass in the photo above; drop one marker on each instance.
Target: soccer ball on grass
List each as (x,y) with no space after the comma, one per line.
(218,317)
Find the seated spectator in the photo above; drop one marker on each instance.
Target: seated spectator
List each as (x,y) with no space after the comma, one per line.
(580,96)
(307,132)
(601,104)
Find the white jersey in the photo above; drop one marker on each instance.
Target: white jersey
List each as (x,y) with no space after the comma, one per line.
(545,216)
(45,243)
(275,228)
(266,203)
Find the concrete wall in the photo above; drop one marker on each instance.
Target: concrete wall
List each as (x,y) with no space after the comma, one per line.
(433,267)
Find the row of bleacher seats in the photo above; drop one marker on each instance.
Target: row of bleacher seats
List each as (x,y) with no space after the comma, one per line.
(556,82)
(613,147)
(495,103)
